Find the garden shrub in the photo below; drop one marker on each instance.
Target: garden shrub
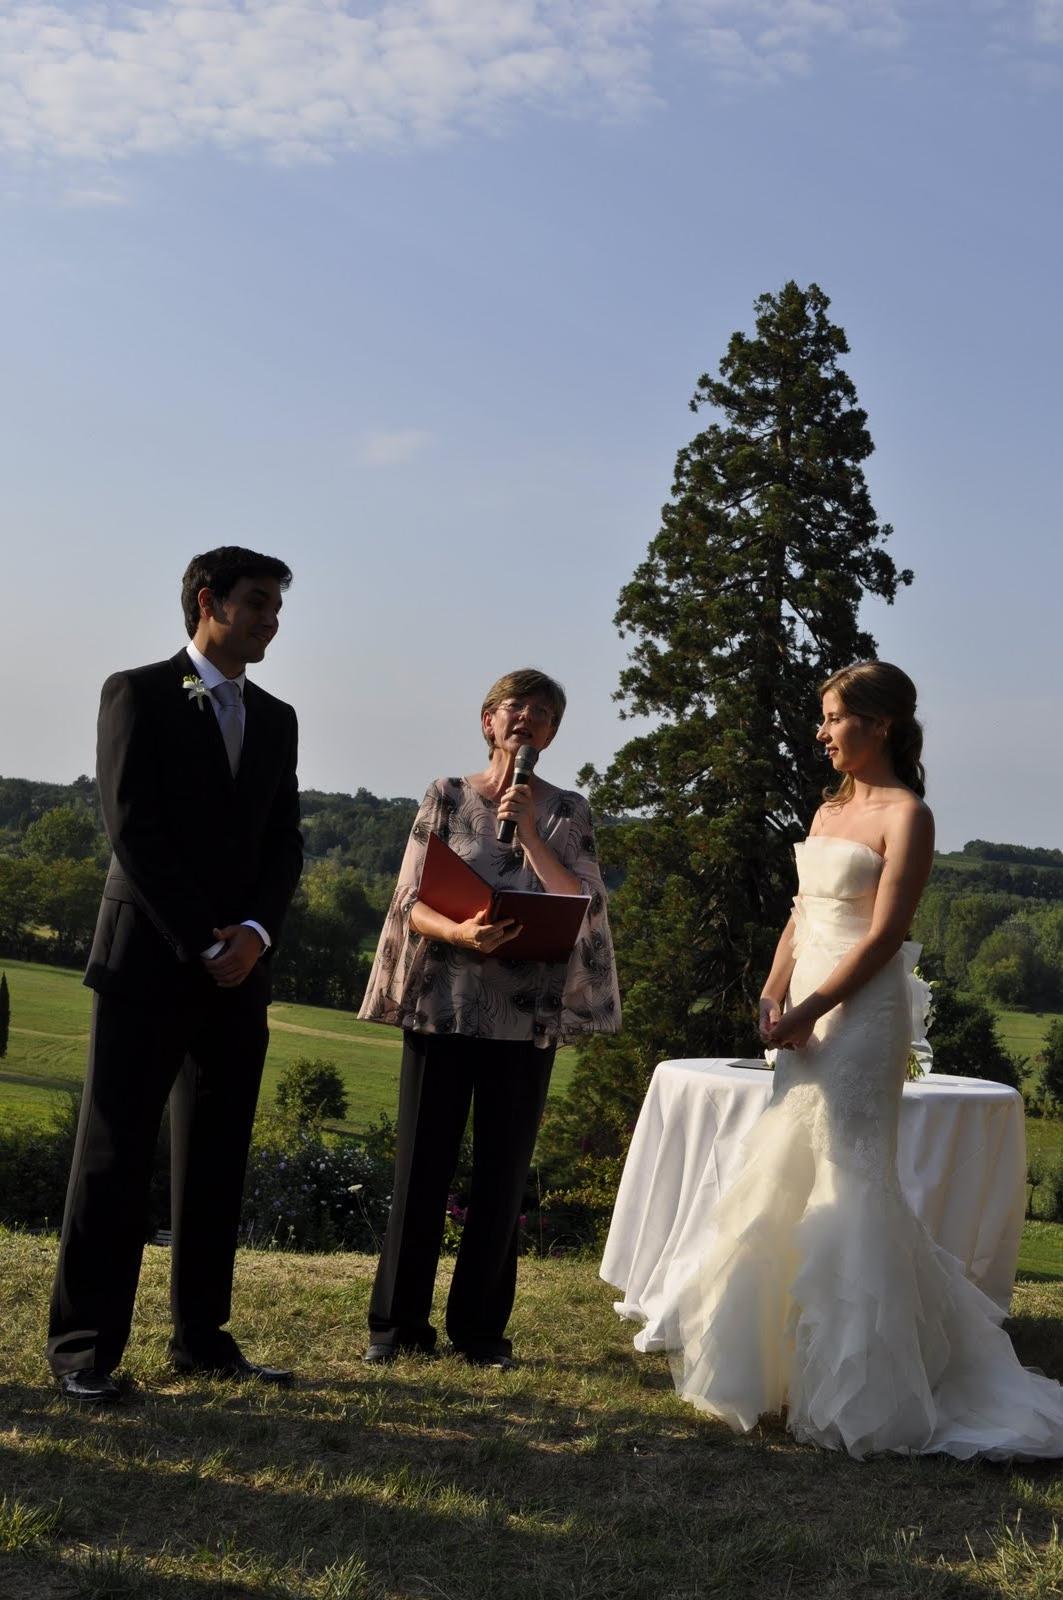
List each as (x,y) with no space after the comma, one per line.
(311,1088)
(35,1167)
(1052,1063)
(307,1190)
(1052,1205)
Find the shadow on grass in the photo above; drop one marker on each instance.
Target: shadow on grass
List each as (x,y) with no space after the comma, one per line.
(445,1483)
(1038,1341)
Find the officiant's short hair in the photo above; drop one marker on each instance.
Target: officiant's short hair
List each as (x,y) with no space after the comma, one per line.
(518,685)
(220,571)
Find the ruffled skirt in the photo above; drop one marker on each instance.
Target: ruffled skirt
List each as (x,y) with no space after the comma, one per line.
(821,1294)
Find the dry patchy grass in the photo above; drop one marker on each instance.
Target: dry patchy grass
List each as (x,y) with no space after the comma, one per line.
(577,1477)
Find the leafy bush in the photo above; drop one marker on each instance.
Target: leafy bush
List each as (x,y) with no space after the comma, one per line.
(1010,969)
(1052,1062)
(1052,1206)
(35,1167)
(301,1190)
(311,1088)
(964,1038)
(306,1191)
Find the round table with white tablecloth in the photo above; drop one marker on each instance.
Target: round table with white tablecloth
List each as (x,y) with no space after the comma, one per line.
(961,1156)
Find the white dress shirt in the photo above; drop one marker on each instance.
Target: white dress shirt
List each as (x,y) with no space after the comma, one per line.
(211,676)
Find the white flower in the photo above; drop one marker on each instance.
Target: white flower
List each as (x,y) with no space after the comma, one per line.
(197,689)
(921,996)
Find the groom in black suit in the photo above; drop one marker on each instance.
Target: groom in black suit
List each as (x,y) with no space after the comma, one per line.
(196,770)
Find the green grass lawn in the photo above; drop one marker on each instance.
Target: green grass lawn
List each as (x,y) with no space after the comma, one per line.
(50,1010)
(1023,1033)
(1041,1252)
(1044,1137)
(578,1476)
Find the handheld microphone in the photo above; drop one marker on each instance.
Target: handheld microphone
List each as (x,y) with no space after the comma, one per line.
(527,756)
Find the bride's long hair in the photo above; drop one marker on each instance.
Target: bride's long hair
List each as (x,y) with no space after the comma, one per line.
(877,689)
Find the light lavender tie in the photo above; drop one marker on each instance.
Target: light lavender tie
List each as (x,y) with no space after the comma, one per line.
(227,694)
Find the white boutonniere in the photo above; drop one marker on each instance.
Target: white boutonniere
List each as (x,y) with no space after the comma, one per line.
(197,689)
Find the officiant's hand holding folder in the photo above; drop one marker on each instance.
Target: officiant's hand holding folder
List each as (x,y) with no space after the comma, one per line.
(549,923)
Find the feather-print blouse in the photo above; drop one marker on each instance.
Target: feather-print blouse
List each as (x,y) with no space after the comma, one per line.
(432,987)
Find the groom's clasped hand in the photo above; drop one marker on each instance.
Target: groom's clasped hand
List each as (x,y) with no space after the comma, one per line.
(242,949)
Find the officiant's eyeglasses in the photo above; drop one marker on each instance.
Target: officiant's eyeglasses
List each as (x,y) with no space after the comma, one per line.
(534,709)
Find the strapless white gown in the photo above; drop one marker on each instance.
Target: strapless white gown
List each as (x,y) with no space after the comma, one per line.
(818,1290)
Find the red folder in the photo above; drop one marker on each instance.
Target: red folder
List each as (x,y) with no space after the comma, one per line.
(550,923)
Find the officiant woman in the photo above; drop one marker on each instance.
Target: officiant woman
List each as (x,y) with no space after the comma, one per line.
(480,1030)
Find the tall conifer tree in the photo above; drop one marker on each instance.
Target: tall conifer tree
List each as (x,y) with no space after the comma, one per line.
(747,599)
(5,1015)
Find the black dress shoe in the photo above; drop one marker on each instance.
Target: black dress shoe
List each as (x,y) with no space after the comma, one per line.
(378,1355)
(89,1387)
(499,1361)
(233,1367)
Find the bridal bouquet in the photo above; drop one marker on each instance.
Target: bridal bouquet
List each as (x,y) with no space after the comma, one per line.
(920,1056)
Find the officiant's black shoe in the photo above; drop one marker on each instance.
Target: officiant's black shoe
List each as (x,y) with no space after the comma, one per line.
(234,1368)
(379,1355)
(89,1387)
(498,1359)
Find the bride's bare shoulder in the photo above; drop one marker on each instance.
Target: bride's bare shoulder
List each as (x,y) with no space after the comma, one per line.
(821,819)
(910,806)
(909,820)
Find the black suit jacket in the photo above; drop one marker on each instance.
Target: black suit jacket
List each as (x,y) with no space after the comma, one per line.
(194,848)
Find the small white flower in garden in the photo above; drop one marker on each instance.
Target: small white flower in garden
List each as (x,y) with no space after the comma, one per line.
(354,1188)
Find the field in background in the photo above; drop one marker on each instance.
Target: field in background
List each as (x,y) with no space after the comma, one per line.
(1023,1033)
(50,1009)
(50,1013)
(50,1022)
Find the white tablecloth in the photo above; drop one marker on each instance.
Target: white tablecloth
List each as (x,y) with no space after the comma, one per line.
(961,1155)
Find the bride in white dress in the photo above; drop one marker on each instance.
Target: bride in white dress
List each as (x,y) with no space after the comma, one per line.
(819,1292)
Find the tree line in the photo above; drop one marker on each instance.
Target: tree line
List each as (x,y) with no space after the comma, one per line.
(1007,948)
(53,861)
(1004,946)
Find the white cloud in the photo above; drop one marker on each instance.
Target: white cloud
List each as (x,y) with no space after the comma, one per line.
(765,41)
(1023,40)
(392,448)
(302,80)
(94,197)
(1048,21)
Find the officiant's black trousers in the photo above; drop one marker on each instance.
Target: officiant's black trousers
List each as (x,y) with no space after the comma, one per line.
(202,1048)
(506,1082)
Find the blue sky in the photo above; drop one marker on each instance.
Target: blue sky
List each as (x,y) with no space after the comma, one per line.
(415,294)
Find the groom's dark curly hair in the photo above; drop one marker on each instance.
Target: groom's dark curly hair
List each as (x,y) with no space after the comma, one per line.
(220,571)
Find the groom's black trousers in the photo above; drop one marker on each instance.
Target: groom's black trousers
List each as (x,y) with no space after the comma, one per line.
(202,1048)
(506,1082)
